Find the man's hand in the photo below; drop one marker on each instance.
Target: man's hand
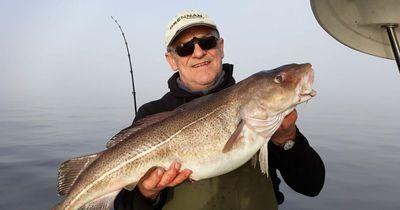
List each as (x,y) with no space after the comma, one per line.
(157,178)
(286,131)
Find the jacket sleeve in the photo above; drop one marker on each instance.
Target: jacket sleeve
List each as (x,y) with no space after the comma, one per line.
(301,167)
(134,200)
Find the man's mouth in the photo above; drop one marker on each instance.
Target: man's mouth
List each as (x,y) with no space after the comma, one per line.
(201,64)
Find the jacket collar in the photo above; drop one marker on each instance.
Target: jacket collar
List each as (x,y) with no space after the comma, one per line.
(177,91)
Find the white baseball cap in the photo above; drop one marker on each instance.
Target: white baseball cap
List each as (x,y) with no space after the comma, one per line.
(185,20)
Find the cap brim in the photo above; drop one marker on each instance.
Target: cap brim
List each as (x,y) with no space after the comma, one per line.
(190,26)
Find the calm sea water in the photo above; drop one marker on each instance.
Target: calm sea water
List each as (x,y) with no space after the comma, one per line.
(360,148)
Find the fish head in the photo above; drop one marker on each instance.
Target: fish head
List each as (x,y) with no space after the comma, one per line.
(279,90)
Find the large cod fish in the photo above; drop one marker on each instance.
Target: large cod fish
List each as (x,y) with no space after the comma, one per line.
(212,135)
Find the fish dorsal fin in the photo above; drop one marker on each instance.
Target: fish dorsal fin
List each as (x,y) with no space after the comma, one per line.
(235,139)
(139,125)
(104,202)
(152,119)
(197,102)
(70,170)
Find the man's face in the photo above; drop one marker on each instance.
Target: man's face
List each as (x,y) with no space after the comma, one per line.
(199,70)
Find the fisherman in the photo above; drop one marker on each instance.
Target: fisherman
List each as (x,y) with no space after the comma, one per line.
(195,51)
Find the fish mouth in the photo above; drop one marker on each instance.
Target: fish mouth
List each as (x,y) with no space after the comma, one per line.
(306,91)
(307,95)
(311,93)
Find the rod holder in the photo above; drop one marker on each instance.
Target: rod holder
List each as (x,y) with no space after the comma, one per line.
(390,28)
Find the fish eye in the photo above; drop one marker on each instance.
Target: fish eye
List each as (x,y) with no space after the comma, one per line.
(278,79)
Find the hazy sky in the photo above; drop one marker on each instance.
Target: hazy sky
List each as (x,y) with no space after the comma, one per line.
(71,51)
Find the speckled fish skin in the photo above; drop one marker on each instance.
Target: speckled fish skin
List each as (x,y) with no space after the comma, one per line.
(195,135)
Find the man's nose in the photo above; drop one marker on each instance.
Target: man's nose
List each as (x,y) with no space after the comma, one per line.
(198,52)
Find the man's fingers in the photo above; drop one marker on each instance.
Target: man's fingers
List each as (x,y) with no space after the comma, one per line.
(169,175)
(158,178)
(289,120)
(152,178)
(287,130)
(182,176)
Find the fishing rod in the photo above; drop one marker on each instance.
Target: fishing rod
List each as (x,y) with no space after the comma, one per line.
(130,64)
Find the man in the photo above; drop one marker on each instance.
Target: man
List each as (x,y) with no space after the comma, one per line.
(195,51)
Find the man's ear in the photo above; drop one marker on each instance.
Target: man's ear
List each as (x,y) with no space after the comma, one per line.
(171,61)
(221,46)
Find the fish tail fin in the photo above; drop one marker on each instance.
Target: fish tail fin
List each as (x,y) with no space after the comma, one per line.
(70,170)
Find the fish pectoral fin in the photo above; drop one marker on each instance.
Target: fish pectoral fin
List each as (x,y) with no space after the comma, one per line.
(130,187)
(71,169)
(265,127)
(254,160)
(235,139)
(104,202)
(263,158)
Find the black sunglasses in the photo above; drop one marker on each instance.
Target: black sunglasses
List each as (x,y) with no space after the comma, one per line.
(205,43)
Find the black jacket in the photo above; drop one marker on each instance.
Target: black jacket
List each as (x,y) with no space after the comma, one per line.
(300,167)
